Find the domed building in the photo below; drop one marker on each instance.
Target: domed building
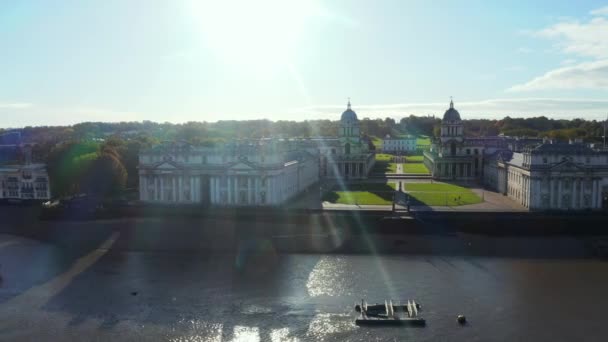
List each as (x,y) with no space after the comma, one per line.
(451,155)
(348,156)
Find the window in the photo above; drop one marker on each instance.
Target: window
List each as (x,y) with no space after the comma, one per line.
(468,151)
(544,160)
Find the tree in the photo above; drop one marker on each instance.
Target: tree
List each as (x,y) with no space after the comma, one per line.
(105,176)
(66,163)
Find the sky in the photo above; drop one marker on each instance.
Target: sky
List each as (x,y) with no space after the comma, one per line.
(69,61)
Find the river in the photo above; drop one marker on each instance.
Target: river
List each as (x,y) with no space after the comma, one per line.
(52,293)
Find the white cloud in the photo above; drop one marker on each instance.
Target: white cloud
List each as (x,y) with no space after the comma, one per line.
(600,11)
(590,75)
(583,39)
(15,105)
(487,109)
(568,61)
(586,39)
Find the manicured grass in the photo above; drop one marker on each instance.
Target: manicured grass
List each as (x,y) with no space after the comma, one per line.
(441,194)
(366,193)
(384,157)
(423,140)
(383,164)
(415,168)
(414,159)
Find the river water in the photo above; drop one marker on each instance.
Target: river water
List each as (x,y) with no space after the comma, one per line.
(50,294)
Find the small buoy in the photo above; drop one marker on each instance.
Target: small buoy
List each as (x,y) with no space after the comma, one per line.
(461,319)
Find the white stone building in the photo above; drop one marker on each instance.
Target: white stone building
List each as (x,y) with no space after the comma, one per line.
(249,173)
(349,155)
(28,181)
(551,177)
(452,156)
(253,173)
(395,145)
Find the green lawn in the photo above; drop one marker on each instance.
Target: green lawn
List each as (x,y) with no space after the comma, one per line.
(415,168)
(441,194)
(414,159)
(384,157)
(383,164)
(423,140)
(365,193)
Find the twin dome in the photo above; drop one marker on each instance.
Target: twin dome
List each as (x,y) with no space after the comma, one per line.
(451,114)
(349,114)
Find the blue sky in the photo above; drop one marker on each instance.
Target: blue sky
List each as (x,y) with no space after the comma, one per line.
(63,62)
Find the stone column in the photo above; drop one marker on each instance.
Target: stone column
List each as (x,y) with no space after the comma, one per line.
(249,191)
(559,192)
(256,189)
(155,184)
(593,190)
(229,189)
(173,188)
(594,196)
(161,180)
(551,191)
(211,189)
(218,191)
(599,195)
(191,189)
(237,185)
(142,187)
(573,193)
(180,189)
(581,192)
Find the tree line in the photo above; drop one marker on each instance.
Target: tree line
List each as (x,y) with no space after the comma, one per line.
(101,158)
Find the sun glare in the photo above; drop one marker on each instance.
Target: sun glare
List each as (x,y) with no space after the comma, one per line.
(259,34)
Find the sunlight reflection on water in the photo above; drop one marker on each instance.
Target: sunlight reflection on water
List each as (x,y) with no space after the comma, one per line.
(329,277)
(246,334)
(325,324)
(201,332)
(282,335)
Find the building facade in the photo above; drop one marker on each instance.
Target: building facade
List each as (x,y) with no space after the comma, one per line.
(537,174)
(348,156)
(262,172)
(20,177)
(24,182)
(252,173)
(551,177)
(452,156)
(399,145)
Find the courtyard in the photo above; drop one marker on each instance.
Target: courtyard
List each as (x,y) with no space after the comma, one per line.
(422,193)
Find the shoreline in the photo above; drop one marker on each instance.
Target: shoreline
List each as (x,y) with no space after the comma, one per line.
(485,234)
